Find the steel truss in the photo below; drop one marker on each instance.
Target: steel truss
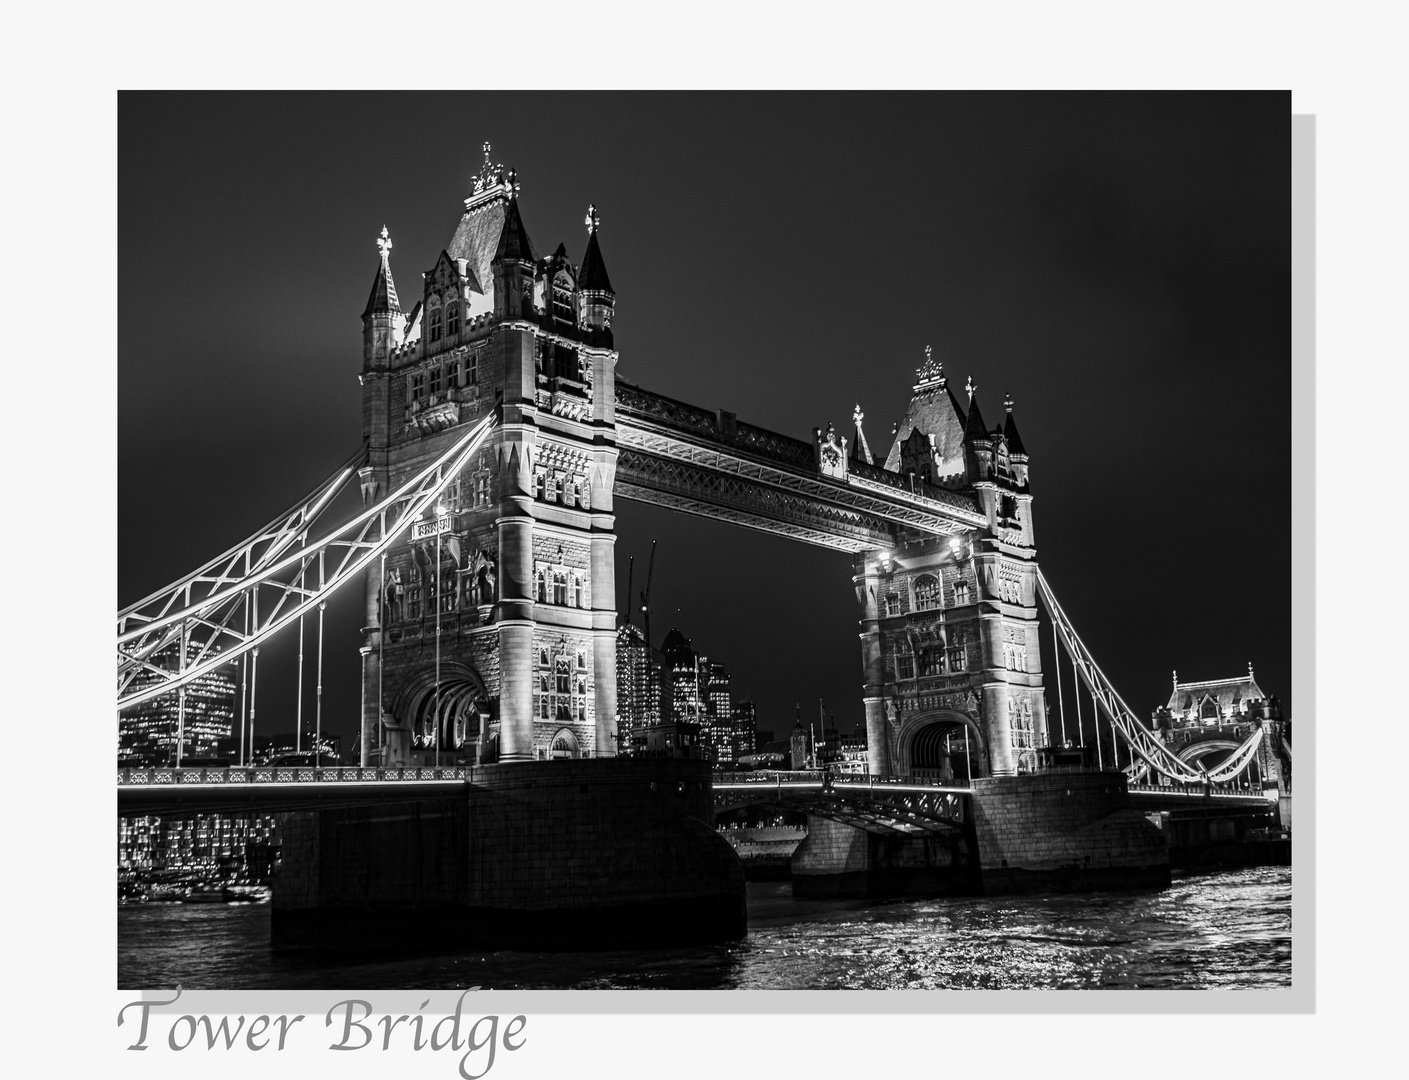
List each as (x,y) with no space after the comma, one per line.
(250,555)
(660,466)
(1151,753)
(240,608)
(893,809)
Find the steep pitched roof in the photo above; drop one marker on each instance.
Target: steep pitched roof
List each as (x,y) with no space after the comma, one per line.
(935,412)
(475,241)
(513,239)
(1227,692)
(594,270)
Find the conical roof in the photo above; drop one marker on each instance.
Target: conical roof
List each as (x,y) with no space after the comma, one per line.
(974,428)
(383,300)
(514,243)
(594,270)
(1010,432)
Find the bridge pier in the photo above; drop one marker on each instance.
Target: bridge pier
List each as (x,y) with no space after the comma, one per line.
(570,854)
(837,860)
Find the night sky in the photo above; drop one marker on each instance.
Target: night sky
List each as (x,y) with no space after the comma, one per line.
(1119,263)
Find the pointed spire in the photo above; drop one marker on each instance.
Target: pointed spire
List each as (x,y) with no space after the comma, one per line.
(860,451)
(513,238)
(1010,429)
(1249,669)
(594,270)
(973,427)
(383,300)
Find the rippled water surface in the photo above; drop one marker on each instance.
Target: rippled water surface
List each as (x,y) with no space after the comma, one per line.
(1230,930)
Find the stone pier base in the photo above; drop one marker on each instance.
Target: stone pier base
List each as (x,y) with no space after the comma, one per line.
(1065,832)
(580,854)
(838,860)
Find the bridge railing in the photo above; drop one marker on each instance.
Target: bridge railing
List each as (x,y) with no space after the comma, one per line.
(291,774)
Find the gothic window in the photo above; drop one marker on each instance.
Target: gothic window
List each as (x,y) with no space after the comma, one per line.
(452,375)
(540,485)
(482,489)
(437,324)
(452,316)
(904,667)
(926,592)
(576,591)
(582,697)
(418,386)
(961,593)
(472,368)
(435,380)
(543,586)
(562,297)
(544,704)
(932,661)
(892,604)
(447,592)
(560,587)
(555,493)
(413,602)
(543,662)
(562,675)
(958,660)
(1209,709)
(581,660)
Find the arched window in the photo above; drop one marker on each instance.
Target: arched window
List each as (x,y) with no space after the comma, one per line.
(437,324)
(452,316)
(892,603)
(560,587)
(543,587)
(562,675)
(564,746)
(961,593)
(562,297)
(581,660)
(543,660)
(540,485)
(1209,709)
(576,591)
(926,592)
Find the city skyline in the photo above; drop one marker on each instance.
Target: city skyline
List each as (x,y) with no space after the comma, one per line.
(1148,269)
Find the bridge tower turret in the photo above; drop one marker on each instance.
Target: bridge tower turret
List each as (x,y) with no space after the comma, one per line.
(382,326)
(949,623)
(516,583)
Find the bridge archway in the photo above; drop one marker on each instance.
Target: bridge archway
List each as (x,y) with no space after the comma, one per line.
(452,707)
(933,746)
(564,744)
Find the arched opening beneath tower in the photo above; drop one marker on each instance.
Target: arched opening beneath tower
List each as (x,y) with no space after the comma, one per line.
(451,716)
(945,750)
(564,745)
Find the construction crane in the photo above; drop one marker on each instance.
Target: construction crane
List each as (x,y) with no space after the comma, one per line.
(646,596)
(630,570)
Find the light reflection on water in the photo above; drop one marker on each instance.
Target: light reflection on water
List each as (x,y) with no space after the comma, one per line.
(1229,930)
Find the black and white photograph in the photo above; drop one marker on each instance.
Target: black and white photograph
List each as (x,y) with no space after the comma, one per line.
(703,541)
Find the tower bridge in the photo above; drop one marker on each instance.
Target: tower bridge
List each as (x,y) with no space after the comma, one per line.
(496,440)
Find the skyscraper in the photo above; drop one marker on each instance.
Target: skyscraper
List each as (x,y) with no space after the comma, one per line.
(147,733)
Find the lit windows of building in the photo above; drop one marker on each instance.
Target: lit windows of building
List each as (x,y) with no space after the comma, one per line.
(927,592)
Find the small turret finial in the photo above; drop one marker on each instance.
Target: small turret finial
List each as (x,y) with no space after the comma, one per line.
(488,173)
(1008,402)
(384,243)
(1176,679)
(513,179)
(857,415)
(1249,669)
(594,220)
(971,386)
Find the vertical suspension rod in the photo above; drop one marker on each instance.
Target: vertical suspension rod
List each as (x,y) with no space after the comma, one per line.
(318,701)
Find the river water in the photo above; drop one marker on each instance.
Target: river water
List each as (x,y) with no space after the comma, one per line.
(1226,930)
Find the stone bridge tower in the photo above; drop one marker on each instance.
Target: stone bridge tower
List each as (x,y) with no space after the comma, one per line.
(949,625)
(519,591)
